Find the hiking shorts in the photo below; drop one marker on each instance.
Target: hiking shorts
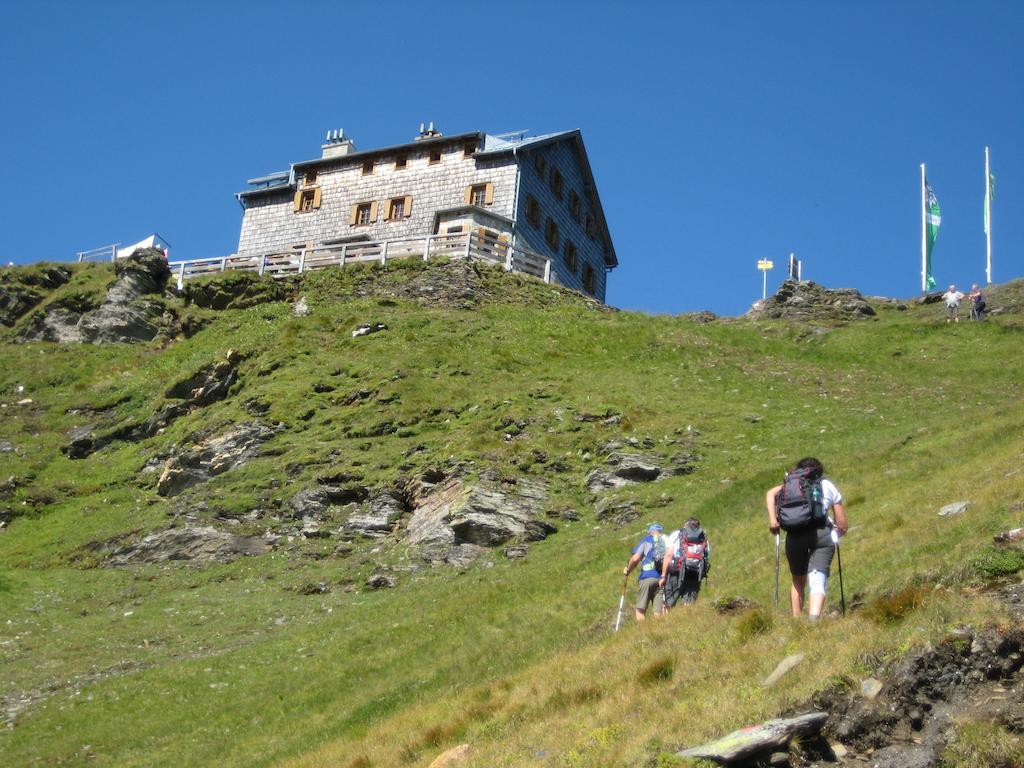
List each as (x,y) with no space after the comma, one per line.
(647,592)
(809,550)
(952,310)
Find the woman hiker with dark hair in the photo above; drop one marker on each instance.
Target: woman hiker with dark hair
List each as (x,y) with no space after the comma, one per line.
(800,506)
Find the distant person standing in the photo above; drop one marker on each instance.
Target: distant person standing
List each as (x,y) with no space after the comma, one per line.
(800,506)
(977,303)
(952,297)
(649,555)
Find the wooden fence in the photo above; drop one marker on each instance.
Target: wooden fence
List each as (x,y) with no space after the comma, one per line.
(466,245)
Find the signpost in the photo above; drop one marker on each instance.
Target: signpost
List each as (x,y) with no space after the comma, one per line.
(764,265)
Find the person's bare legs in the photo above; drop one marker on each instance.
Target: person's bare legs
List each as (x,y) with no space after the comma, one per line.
(639,615)
(814,605)
(796,594)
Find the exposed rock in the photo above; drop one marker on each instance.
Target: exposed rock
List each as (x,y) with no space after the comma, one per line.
(805,300)
(1014,535)
(870,688)
(301,308)
(700,317)
(784,666)
(631,468)
(366,330)
(206,386)
(16,290)
(125,316)
(747,743)
(483,514)
(194,544)
(451,756)
(517,552)
(381,581)
(378,517)
(311,503)
(213,457)
(618,512)
(733,604)
(904,756)
(6,446)
(956,508)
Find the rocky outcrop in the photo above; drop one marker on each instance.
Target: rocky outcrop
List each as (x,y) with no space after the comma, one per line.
(206,386)
(457,520)
(233,290)
(377,517)
(125,315)
(192,544)
(622,468)
(20,290)
(214,456)
(807,301)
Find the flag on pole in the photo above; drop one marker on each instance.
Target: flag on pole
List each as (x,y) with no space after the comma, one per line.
(933,218)
(988,202)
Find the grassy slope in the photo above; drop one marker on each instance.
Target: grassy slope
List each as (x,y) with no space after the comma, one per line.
(229,664)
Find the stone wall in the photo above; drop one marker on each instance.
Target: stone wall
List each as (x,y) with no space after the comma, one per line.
(270,222)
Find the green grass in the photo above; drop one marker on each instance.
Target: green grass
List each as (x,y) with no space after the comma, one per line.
(233,665)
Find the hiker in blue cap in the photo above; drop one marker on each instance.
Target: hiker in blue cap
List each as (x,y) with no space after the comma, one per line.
(649,555)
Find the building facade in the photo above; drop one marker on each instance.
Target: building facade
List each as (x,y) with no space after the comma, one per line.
(536,192)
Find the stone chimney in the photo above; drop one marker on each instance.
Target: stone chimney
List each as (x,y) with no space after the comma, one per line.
(337,145)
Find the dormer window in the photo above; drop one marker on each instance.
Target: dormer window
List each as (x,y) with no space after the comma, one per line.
(401,161)
(469,148)
(435,156)
(367,167)
(309,176)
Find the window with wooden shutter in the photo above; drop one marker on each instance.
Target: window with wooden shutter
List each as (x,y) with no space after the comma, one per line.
(533,211)
(396,209)
(557,183)
(467,195)
(307,200)
(589,279)
(574,205)
(362,214)
(478,195)
(488,193)
(551,234)
(408,206)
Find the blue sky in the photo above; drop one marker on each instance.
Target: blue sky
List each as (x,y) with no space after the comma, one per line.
(719,132)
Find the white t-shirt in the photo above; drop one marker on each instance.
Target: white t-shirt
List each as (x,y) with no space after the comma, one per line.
(952,298)
(830,495)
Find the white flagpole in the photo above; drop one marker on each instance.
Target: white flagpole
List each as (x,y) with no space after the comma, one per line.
(988,221)
(924,237)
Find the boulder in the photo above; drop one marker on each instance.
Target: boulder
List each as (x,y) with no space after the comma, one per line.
(956,508)
(381,581)
(482,514)
(743,745)
(625,468)
(193,544)
(619,512)
(451,756)
(311,503)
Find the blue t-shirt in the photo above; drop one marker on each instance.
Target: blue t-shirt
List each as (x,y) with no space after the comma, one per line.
(649,569)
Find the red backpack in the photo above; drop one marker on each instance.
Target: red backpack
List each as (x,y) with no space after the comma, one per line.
(692,553)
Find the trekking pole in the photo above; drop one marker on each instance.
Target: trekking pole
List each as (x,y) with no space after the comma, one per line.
(776,570)
(839,557)
(622,603)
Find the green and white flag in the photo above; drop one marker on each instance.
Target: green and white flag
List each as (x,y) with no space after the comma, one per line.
(932,218)
(988,203)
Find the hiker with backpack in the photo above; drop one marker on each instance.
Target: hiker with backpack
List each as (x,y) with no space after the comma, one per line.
(649,555)
(687,562)
(800,506)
